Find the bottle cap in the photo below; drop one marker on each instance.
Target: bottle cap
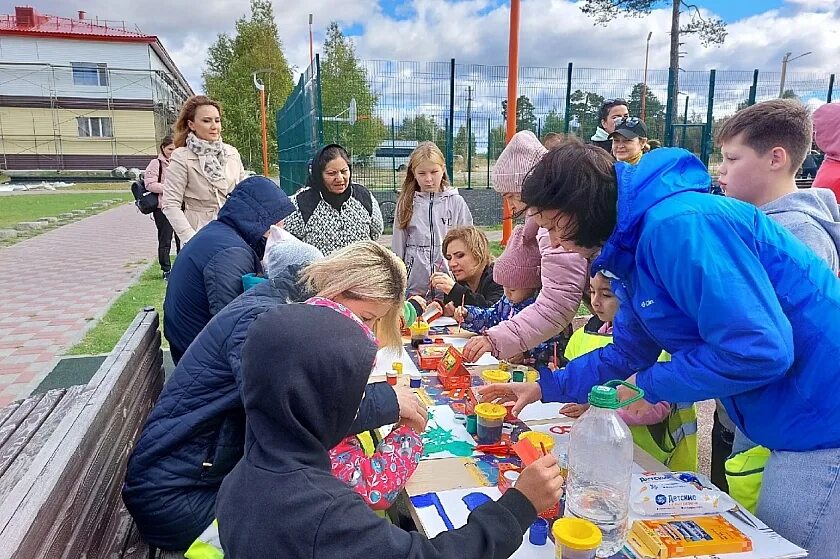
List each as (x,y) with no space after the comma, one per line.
(576,533)
(606,396)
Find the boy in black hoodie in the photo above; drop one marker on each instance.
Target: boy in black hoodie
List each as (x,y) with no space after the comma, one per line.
(281,500)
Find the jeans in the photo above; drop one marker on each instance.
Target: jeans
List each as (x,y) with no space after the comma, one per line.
(721,449)
(800,499)
(165,234)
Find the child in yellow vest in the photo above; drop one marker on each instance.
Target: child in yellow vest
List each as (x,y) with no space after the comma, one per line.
(669,431)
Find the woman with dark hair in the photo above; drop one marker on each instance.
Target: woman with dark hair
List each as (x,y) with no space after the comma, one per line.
(611,111)
(203,169)
(332,210)
(153,179)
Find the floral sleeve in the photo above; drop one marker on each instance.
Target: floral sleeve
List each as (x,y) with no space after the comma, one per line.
(378,478)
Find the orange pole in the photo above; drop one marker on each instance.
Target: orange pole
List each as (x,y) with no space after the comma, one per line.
(513,78)
(264,133)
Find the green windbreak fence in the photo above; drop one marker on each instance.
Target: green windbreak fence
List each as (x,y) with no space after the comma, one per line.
(460,108)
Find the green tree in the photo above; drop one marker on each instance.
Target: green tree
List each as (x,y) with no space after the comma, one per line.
(584,107)
(711,31)
(654,110)
(422,128)
(553,122)
(525,118)
(227,78)
(497,142)
(343,78)
(460,145)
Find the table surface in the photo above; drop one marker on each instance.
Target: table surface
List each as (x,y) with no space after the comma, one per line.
(443,474)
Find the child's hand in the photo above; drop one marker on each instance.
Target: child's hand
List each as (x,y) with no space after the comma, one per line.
(413,412)
(541,483)
(442,282)
(475,348)
(461,314)
(574,410)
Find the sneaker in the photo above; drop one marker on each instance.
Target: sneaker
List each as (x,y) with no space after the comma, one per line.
(166,276)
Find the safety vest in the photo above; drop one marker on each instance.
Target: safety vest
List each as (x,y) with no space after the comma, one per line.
(672,441)
(744,474)
(209,546)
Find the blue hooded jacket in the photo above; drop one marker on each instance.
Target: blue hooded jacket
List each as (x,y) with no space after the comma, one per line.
(207,274)
(748,313)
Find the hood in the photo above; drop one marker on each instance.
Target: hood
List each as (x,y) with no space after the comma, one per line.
(817,203)
(827,129)
(253,207)
(300,403)
(446,193)
(600,135)
(660,174)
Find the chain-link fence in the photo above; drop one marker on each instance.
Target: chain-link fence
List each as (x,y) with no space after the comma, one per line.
(461,108)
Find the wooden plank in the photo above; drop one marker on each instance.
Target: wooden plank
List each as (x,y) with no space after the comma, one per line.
(135,547)
(17,417)
(27,428)
(7,412)
(60,462)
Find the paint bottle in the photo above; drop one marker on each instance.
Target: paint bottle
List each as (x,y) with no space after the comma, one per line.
(518,374)
(397,366)
(490,418)
(415,380)
(472,424)
(575,538)
(531,375)
(391,377)
(538,533)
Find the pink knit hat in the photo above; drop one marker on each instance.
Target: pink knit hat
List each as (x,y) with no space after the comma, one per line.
(519,265)
(516,160)
(827,129)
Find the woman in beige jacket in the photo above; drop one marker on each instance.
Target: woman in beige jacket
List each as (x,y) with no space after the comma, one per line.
(202,171)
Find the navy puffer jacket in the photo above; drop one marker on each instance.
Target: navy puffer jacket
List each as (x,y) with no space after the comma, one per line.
(207,274)
(196,432)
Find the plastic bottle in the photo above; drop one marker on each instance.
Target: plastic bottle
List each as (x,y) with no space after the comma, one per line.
(600,466)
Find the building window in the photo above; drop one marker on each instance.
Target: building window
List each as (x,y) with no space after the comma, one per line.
(86,73)
(94,127)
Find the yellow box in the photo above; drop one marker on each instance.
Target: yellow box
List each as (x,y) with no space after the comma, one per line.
(684,536)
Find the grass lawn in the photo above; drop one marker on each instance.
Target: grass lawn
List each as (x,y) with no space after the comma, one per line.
(15,208)
(148,291)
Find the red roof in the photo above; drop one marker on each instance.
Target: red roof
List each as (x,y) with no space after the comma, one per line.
(26,21)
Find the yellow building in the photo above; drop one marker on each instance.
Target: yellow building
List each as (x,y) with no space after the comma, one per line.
(77,94)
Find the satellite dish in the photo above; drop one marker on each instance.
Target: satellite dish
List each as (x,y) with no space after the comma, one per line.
(353,114)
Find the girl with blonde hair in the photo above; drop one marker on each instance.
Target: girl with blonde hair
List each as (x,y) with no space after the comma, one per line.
(427,208)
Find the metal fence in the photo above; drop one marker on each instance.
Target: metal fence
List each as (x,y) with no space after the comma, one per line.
(460,108)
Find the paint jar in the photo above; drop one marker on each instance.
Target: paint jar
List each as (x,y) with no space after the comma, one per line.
(508,480)
(415,380)
(391,377)
(537,439)
(492,376)
(531,375)
(439,341)
(489,422)
(575,538)
(518,374)
(397,366)
(538,533)
(418,332)
(472,424)
(504,366)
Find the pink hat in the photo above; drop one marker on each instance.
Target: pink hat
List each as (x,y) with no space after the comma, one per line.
(827,129)
(519,265)
(516,160)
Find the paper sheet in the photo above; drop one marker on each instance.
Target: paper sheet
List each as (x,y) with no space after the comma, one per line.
(444,321)
(457,512)
(539,411)
(444,437)
(459,343)
(385,357)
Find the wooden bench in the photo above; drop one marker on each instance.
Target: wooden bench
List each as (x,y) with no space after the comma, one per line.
(63,456)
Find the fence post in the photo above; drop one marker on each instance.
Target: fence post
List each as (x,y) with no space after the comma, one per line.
(753,89)
(568,116)
(539,128)
(830,88)
(450,128)
(489,151)
(706,148)
(469,153)
(393,156)
(319,107)
(670,108)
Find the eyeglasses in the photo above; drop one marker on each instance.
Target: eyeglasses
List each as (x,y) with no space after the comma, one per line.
(628,122)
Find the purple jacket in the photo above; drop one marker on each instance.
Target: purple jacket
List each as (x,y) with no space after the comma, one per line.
(563,281)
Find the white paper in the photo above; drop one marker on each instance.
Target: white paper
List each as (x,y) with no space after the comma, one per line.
(457,512)
(459,343)
(444,417)
(538,411)
(385,358)
(443,321)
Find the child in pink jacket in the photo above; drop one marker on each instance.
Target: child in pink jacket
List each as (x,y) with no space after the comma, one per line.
(563,273)
(153,179)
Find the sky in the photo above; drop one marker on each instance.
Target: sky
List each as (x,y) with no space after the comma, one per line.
(552,32)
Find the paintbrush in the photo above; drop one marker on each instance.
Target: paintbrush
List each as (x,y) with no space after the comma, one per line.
(555,355)
(461,319)
(542,447)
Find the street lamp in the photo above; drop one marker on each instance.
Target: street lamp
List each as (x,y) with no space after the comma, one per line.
(644,85)
(258,83)
(785,61)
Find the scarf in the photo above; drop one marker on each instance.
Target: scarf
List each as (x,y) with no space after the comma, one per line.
(635,159)
(213,154)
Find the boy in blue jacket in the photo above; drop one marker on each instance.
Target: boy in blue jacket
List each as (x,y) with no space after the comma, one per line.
(737,301)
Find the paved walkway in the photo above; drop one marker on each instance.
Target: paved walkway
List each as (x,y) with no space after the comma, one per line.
(55,286)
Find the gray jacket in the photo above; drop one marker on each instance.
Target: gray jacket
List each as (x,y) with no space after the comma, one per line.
(419,244)
(812,216)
